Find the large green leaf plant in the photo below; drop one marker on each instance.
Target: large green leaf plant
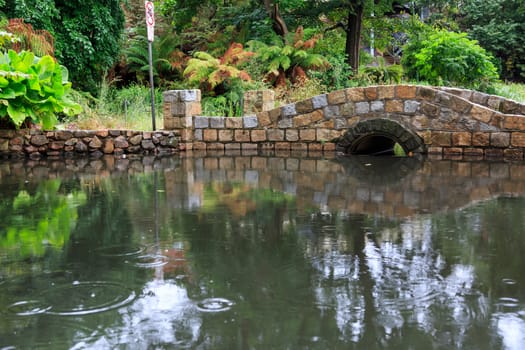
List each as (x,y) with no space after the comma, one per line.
(34,89)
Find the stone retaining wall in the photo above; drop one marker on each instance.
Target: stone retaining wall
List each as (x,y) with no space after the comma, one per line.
(35,144)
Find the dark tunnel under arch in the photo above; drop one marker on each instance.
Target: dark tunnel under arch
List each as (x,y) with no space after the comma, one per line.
(378,136)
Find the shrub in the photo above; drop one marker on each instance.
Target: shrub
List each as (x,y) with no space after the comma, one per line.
(34,88)
(450,58)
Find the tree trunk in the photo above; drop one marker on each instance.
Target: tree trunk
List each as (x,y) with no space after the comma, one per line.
(278,24)
(353,35)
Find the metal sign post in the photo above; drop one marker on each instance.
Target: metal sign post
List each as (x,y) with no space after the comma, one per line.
(150,23)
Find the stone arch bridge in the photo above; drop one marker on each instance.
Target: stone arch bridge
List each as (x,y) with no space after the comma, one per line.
(367,120)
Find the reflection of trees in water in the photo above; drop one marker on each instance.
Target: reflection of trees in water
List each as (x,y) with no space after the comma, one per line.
(424,278)
(38,218)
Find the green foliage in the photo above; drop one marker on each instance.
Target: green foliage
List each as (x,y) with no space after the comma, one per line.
(338,76)
(382,73)
(88,39)
(498,26)
(35,88)
(290,59)
(443,57)
(166,58)
(34,222)
(209,73)
(7,39)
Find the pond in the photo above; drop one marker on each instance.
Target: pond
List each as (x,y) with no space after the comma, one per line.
(262,252)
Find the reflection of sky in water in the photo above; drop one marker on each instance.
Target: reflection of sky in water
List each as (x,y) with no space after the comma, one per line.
(163,314)
(511,328)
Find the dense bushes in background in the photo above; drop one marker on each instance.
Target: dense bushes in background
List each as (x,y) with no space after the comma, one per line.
(448,58)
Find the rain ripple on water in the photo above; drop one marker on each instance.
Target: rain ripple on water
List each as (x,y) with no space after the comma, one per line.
(76,299)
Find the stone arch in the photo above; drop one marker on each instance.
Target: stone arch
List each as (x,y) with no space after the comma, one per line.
(371,136)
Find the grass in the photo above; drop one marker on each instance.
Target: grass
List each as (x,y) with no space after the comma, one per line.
(128,108)
(511,91)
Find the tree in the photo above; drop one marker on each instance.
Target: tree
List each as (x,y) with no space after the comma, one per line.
(502,32)
(87,33)
(349,15)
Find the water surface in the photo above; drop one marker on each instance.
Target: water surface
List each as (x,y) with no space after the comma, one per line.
(256,252)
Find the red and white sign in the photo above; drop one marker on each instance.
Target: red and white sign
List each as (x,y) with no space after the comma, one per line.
(150,18)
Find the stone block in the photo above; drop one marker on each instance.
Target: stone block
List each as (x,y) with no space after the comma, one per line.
(282,145)
(473,152)
(307,134)
(406,92)
(217,122)
(216,146)
(209,135)
(315,147)
(496,153)
(510,107)
(386,92)
(305,106)
(394,106)
(500,139)
(39,140)
(186,135)
(441,139)
(275,135)
(429,109)
(494,102)
(518,139)
(329,147)
(319,101)
(513,154)
(233,123)
(479,98)
(299,146)
(514,122)
(355,94)
(362,107)
(285,122)
(410,106)
(481,113)
(336,97)
(250,121)
(426,92)
(481,139)
(461,139)
(264,119)
(347,109)
(201,122)
(198,134)
(452,151)
(377,106)
(242,135)
(232,146)
(371,93)
(292,135)
(331,112)
(288,110)
(226,135)
(258,135)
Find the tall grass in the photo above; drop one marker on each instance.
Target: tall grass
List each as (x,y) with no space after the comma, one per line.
(127,108)
(512,91)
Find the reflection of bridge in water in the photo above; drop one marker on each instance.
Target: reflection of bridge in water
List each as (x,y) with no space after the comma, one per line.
(360,185)
(389,187)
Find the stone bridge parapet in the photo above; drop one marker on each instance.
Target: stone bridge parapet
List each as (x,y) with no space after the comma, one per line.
(423,119)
